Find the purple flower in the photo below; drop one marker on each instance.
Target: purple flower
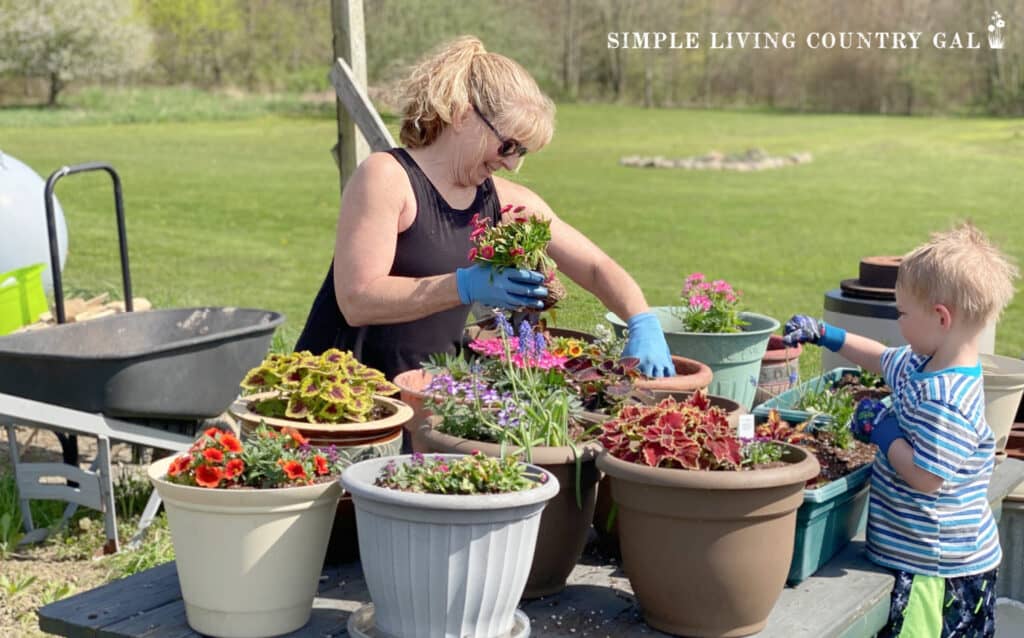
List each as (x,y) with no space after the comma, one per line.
(504,325)
(417,458)
(539,343)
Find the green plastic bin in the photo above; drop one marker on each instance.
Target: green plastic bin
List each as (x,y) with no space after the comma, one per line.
(784,402)
(826,522)
(22,299)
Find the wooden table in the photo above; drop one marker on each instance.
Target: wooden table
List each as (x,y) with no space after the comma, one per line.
(848,597)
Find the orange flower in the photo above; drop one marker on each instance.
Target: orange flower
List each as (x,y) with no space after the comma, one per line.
(294,470)
(321,465)
(212,433)
(213,455)
(235,468)
(230,442)
(179,465)
(296,435)
(208,476)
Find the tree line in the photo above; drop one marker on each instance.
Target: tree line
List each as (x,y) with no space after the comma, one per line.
(573,47)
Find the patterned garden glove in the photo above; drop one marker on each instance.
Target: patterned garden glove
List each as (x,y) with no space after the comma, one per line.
(804,329)
(509,289)
(647,343)
(875,423)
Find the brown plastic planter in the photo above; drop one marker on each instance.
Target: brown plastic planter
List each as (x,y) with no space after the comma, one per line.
(690,375)
(608,538)
(707,553)
(564,524)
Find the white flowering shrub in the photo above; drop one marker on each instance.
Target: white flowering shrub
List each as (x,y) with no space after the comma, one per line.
(64,40)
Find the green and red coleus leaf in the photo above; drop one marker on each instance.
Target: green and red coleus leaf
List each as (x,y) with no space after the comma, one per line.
(688,435)
(260,378)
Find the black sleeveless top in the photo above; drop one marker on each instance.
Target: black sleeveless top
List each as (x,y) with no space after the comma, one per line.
(436,243)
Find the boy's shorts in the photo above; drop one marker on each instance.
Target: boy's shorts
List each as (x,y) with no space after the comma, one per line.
(936,607)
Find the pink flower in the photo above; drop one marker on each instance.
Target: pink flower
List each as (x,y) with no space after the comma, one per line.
(694,277)
(721,286)
(479,230)
(487,252)
(518,250)
(700,302)
(472,253)
(506,208)
(518,209)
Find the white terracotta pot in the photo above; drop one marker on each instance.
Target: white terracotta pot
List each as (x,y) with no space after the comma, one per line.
(446,566)
(248,560)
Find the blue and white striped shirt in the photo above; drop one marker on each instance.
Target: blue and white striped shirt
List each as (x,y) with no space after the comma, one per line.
(942,415)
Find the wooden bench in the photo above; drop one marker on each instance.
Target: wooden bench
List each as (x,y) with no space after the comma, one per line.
(848,597)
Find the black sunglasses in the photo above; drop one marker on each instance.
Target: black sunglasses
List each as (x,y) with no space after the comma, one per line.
(509,146)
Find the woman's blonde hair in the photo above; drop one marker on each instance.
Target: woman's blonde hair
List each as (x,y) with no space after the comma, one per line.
(462,74)
(961,270)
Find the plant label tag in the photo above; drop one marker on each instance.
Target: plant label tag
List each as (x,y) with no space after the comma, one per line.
(746,426)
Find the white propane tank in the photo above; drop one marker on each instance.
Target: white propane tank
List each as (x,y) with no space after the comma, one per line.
(23,237)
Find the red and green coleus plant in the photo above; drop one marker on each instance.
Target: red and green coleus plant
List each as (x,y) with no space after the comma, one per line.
(268,459)
(521,243)
(330,388)
(603,385)
(689,435)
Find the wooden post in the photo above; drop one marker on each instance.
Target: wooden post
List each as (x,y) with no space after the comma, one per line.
(350,45)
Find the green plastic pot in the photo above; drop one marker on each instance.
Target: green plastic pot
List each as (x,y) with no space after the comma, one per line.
(826,522)
(734,358)
(21,297)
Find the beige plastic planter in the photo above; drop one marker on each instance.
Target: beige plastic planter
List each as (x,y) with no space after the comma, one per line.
(707,553)
(1003,379)
(248,560)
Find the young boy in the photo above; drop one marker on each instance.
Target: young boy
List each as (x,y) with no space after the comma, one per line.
(929,518)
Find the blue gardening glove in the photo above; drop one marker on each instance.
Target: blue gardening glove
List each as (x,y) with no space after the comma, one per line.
(875,423)
(804,329)
(647,343)
(509,289)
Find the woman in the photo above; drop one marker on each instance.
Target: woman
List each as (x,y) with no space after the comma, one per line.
(400,283)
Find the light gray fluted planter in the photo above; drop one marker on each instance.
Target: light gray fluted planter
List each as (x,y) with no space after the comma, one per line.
(444,565)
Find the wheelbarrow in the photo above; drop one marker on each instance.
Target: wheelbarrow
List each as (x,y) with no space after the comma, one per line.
(172,366)
(177,364)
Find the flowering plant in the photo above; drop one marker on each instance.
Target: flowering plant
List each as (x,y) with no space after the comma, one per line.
(516,394)
(267,460)
(330,388)
(709,306)
(520,244)
(469,474)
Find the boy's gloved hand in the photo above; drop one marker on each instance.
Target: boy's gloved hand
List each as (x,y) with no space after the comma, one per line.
(509,289)
(647,343)
(805,329)
(874,423)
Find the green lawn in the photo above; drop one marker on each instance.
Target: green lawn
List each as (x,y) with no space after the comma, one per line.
(242,211)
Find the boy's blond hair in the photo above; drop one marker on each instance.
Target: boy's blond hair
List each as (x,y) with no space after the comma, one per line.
(961,270)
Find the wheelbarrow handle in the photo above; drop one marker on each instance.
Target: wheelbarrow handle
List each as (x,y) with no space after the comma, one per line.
(51,229)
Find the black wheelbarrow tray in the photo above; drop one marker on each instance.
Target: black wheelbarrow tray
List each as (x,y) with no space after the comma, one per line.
(181,363)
